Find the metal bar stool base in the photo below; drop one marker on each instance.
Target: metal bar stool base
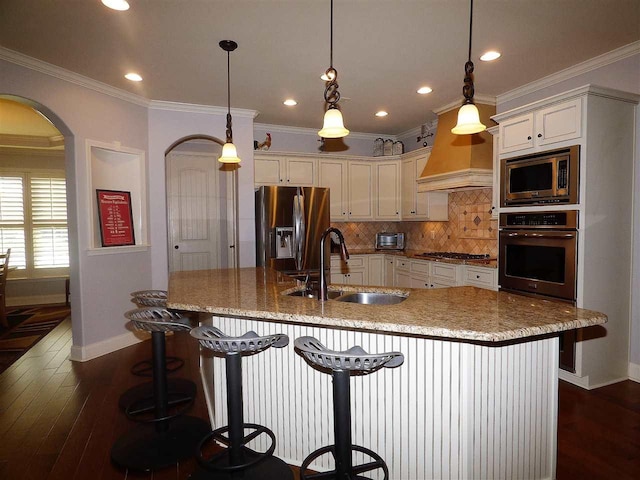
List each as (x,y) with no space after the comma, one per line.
(267,468)
(139,400)
(144,368)
(376,463)
(146,447)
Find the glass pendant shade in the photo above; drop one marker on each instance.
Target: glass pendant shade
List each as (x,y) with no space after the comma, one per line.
(229,154)
(468,121)
(333,126)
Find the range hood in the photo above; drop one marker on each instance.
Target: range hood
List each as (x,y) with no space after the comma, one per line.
(459,161)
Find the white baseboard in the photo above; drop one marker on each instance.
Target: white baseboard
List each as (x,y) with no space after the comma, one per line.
(634,372)
(95,350)
(584,381)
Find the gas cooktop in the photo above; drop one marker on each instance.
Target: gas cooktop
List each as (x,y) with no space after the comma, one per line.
(456,256)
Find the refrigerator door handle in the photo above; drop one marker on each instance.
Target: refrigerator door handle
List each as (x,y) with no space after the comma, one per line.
(298,228)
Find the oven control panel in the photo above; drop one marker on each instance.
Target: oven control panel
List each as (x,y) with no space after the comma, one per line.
(558,219)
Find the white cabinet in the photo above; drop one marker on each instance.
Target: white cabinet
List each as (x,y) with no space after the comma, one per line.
(495,197)
(387,199)
(482,277)
(283,169)
(534,131)
(445,275)
(333,175)
(375,270)
(388,270)
(352,272)
(416,205)
(361,180)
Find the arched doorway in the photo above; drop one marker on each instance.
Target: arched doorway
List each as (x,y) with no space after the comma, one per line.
(201,206)
(36,150)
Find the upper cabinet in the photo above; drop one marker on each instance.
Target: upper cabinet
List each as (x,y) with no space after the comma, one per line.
(417,205)
(387,201)
(362,188)
(279,169)
(534,131)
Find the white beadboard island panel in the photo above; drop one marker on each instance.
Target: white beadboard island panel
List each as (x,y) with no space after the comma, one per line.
(453,410)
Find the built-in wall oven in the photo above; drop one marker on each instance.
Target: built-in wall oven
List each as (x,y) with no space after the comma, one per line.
(538,256)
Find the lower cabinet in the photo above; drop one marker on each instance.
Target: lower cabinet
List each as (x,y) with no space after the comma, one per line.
(397,271)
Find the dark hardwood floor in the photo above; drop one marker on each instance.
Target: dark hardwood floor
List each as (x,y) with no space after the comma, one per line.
(58,419)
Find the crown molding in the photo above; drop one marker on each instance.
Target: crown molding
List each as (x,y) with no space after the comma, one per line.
(31,141)
(32,152)
(205,109)
(314,131)
(579,69)
(69,76)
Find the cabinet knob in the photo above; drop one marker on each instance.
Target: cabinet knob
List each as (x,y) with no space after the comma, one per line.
(280,180)
(176,247)
(539,135)
(529,137)
(232,246)
(477,276)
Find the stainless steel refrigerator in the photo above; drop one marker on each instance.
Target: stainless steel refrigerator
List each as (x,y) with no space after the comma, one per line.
(289,224)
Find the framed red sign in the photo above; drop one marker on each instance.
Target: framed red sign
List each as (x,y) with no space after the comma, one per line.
(115,217)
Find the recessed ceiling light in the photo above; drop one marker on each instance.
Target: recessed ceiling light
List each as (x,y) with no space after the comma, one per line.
(424,90)
(290,102)
(134,77)
(120,5)
(325,77)
(381,113)
(490,55)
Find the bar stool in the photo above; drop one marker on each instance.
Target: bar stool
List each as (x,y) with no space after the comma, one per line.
(238,460)
(152,298)
(341,365)
(169,436)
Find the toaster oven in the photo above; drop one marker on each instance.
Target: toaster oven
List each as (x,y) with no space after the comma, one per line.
(389,241)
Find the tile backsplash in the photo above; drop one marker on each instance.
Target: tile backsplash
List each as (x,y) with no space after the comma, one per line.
(470,228)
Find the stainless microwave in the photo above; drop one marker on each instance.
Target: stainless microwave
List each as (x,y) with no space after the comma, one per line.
(543,178)
(389,241)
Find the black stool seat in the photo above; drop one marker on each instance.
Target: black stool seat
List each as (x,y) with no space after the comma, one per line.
(238,460)
(150,298)
(341,365)
(170,436)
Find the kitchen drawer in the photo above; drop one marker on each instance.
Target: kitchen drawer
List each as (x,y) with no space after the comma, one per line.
(353,262)
(480,277)
(402,263)
(420,266)
(444,271)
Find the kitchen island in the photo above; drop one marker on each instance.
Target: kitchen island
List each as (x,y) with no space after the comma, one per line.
(475,398)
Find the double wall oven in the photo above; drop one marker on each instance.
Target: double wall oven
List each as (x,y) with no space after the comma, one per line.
(538,250)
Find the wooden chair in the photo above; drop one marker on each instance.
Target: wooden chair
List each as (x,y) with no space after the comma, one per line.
(4,273)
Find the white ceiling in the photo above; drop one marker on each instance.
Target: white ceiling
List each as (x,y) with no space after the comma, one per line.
(383,49)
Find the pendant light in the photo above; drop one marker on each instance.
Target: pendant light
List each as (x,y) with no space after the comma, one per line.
(229,152)
(468,115)
(333,126)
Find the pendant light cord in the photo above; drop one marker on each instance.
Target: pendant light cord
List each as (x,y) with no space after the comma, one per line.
(229,132)
(470,27)
(331,37)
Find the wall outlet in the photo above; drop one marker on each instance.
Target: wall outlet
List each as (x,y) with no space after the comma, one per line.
(433,235)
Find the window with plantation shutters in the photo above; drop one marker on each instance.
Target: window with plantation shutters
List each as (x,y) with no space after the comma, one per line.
(49,222)
(33,223)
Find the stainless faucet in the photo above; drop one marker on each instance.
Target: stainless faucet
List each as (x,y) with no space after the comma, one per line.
(323,294)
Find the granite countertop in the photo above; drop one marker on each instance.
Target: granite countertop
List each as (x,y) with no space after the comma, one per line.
(465,313)
(492,263)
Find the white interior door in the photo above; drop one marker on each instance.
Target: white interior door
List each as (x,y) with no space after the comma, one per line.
(201,224)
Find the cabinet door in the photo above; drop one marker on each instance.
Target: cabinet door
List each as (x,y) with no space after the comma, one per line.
(419,281)
(268,171)
(495,195)
(338,278)
(559,122)
(516,134)
(361,182)
(357,277)
(409,188)
(333,175)
(388,191)
(376,270)
(437,206)
(402,279)
(388,271)
(301,171)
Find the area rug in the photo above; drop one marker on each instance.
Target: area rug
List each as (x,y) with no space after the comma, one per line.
(27,326)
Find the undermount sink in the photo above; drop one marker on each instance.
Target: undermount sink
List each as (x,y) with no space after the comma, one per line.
(313,294)
(371,298)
